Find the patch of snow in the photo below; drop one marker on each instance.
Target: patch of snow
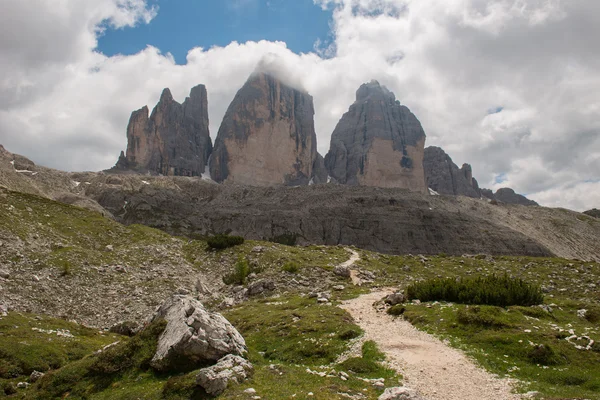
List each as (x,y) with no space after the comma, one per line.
(145,182)
(328,179)
(311,182)
(76,184)
(433,192)
(12,163)
(206,174)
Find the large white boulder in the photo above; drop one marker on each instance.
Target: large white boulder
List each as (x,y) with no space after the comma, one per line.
(193,335)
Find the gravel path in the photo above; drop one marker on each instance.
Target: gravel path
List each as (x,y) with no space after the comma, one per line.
(435,370)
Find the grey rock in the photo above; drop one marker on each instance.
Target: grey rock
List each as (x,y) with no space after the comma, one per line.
(4,274)
(267,137)
(378,142)
(444,176)
(173,140)
(22,385)
(202,288)
(400,393)
(35,376)
(126,328)
(342,271)
(231,369)
(394,298)
(193,335)
(261,286)
(382,220)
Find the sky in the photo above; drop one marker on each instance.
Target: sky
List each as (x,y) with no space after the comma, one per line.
(510,86)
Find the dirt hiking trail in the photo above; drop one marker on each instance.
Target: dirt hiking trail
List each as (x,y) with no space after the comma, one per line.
(435,370)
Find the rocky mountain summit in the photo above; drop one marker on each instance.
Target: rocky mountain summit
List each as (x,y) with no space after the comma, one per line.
(378,142)
(444,177)
(173,140)
(268,137)
(508,196)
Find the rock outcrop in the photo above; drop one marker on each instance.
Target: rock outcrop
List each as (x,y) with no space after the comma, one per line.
(444,177)
(508,196)
(378,219)
(267,137)
(173,140)
(378,142)
(193,335)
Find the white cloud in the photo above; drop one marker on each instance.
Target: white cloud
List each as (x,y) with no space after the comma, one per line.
(66,106)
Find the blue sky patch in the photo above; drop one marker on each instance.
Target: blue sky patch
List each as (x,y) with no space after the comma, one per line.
(501,178)
(495,110)
(184,24)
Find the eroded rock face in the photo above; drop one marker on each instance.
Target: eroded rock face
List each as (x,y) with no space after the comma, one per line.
(445,177)
(173,140)
(378,142)
(193,335)
(267,137)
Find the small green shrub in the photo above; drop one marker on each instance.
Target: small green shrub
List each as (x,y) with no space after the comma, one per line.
(350,333)
(492,290)
(221,242)
(371,351)
(291,267)
(9,388)
(593,315)
(396,310)
(567,379)
(360,365)
(240,273)
(482,316)
(287,239)
(543,354)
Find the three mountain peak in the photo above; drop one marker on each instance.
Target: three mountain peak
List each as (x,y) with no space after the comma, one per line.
(267,138)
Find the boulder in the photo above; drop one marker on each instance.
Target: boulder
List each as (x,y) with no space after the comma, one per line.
(400,393)
(230,369)
(261,286)
(378,142)
(342,271)
(125,328)
(193,335)
(394,298)
(35,376)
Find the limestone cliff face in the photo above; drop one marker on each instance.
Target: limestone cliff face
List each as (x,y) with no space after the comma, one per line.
(173,140)
(267,137)
(378,142)
(445,177)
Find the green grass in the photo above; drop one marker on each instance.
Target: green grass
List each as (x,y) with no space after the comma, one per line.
(289,334)
(526,343)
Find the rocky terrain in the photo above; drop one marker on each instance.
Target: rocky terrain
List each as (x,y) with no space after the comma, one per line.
(378,142)
(594,212)
(267,137)
(72,263)
(385,220)
(174,140)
